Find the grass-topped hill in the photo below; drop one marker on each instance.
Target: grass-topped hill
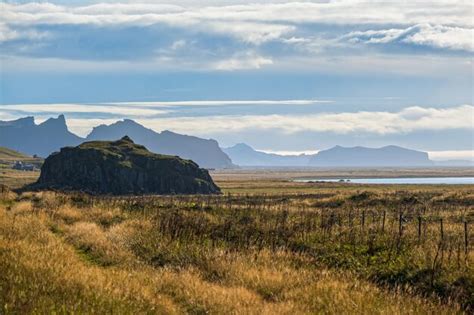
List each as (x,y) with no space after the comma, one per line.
(122,167)
(9,154)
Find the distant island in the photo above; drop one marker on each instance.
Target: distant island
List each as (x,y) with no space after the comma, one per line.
(338,156)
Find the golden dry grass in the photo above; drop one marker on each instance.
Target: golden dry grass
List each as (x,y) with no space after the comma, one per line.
(58,255)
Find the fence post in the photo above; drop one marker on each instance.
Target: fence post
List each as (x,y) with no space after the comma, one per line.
(383,222)
(419,229)
(466,240)
(441,228)
(363,220)
(400,225)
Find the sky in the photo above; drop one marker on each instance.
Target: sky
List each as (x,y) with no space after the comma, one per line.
(281,76)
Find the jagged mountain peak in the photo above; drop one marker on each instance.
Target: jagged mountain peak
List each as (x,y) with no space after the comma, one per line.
(59,122)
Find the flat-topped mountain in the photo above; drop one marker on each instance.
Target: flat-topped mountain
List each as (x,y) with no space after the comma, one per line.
(244,155)
(370,157)
(120,168)
(25,136)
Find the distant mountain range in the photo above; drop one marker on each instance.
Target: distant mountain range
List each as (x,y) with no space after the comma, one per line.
(388,156)
(25,136)
(206,153)
(244,155)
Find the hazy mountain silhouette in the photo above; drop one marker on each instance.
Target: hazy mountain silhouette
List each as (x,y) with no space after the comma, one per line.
(206,153)
(25,136)
(244,155)
(370,157)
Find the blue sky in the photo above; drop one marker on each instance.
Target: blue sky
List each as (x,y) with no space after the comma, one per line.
(278,75)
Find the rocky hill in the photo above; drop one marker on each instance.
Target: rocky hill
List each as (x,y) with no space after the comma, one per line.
(122,167)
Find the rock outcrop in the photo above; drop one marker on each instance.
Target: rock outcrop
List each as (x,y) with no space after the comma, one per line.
(122,168)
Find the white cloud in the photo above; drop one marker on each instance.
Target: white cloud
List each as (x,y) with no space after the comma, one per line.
(179,44)
(381,123)
(444,37)
(288,153)
(254,33)
(7,33)
(452,155)
(131,111)
(279,35)
(242,62)
(251,22)
(438,36)
(407,120)
(224,102)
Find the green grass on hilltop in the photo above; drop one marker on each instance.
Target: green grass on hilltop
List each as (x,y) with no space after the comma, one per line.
(9,154)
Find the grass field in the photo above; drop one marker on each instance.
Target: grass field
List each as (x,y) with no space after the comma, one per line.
(266,246)
(14,178)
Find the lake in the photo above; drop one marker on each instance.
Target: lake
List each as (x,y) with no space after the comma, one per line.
(407,180)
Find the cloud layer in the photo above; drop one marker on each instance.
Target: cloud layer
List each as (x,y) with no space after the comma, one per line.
(234,35)
(168,115)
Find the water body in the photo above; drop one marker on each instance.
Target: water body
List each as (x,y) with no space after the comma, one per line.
(407,180)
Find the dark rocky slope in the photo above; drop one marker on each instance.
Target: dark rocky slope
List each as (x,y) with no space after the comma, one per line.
(122,167)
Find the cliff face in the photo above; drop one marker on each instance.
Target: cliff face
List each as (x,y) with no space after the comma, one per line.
(122,167)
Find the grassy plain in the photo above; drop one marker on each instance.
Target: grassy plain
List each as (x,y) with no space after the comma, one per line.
(14,178)
(267,245)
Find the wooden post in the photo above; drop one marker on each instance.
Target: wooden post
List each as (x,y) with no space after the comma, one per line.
(383,221)
(466,239)
(419,229)
(400,225)
(363,220)
(441,228)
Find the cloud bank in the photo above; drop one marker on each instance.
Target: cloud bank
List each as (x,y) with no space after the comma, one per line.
(234,35)
(155,115)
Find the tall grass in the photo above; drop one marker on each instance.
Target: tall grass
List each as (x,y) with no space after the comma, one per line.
(329,251)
